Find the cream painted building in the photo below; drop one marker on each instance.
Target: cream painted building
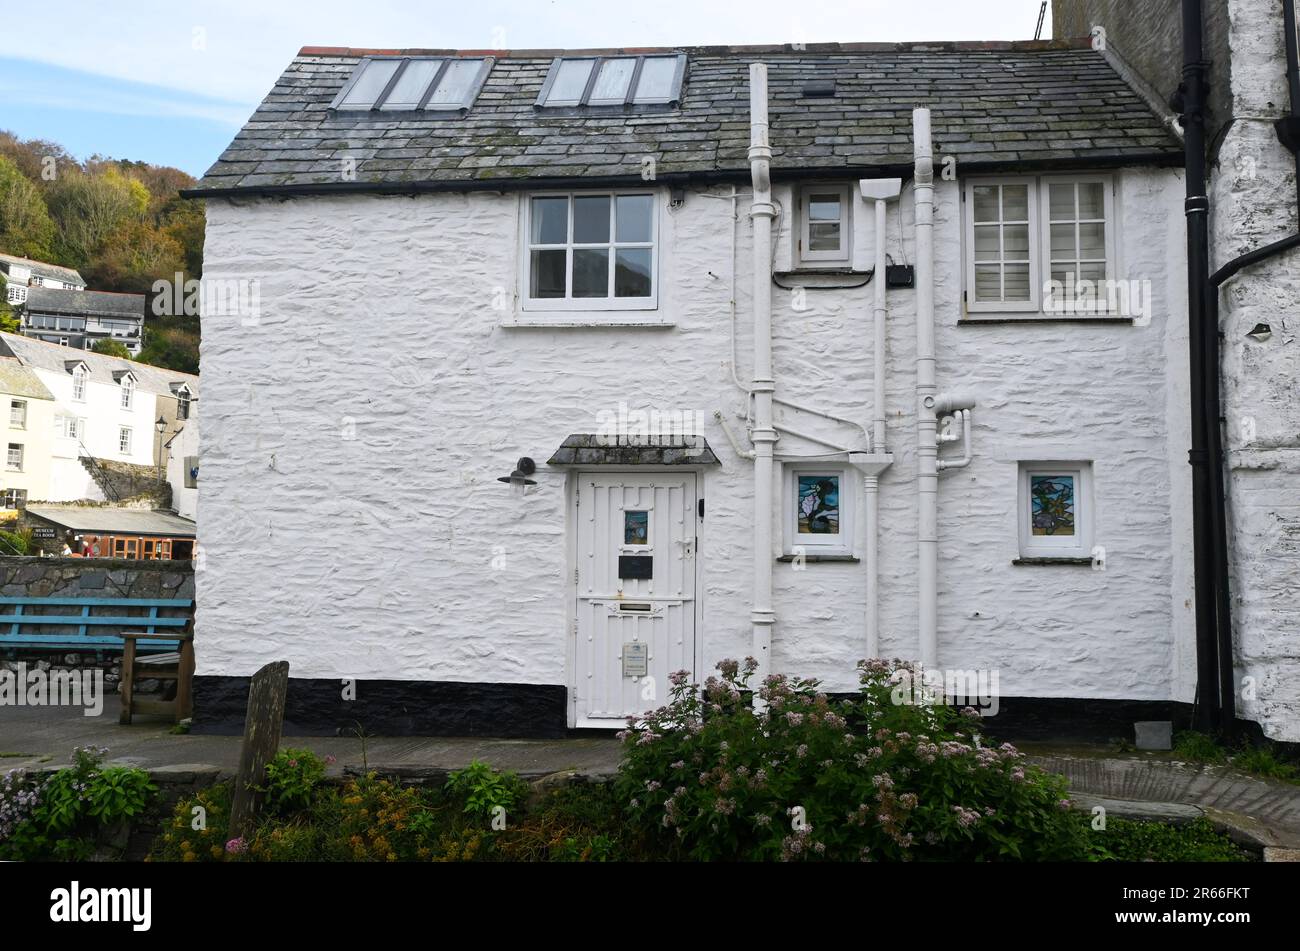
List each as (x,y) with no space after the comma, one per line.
(28,408)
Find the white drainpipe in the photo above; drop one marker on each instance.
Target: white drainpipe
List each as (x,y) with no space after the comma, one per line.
(762,212)
(880,190)
(927,449)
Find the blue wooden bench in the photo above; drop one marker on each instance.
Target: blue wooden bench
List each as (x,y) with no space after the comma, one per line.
(21,624)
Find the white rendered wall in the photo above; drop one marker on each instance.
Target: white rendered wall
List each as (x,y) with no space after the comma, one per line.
(354,436)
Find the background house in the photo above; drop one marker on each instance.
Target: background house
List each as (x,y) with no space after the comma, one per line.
(588,241)
(24,273)
(28,408)
(79,319)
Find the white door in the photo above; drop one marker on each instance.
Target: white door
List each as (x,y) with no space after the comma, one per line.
(635,598)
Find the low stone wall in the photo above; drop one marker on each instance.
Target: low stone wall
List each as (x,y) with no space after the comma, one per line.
(30,577)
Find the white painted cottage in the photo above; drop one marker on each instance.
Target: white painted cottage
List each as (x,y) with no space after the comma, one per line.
(779,365)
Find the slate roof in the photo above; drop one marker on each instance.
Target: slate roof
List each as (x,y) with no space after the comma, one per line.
(108,521)
(995,105)
(41,355)
(17,380)
(49,300)
(54,272)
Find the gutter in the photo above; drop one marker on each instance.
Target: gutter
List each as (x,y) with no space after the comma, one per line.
(1161,159)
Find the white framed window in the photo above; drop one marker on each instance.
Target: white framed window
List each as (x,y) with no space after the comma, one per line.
(18,414)
(124,439)
(38,281)
(818,509)
(15,294)
(1035,243)
(14,498)
(824,228)
(78,379)
(68,427)
(428,84)
(183,397)
(1055,514)
(15,458)
(591,251)
(128,391)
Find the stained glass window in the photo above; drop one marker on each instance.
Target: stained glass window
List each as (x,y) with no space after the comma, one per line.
(636,528)
(1053,504)
(819,504)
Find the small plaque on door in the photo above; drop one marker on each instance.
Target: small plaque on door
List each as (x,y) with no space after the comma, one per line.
(636,659)
(636,567)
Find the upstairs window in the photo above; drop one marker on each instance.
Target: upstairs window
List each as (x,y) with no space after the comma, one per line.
(410,83)
(18,414)
(613,81)
(15,459)
(124,440)
(128,392)
(824,226)
(183,403)
(1042,245)
(590,251)
(78,379)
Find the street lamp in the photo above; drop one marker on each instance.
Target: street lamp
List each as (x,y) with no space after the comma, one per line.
(161,426)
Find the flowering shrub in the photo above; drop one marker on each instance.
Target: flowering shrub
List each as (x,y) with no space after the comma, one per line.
(291,780)
(69,813)
(708,777)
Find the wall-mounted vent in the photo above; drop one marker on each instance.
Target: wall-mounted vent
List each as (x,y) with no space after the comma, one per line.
(819,89)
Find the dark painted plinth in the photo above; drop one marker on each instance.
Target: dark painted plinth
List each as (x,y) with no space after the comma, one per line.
(1090,721)
(391,708)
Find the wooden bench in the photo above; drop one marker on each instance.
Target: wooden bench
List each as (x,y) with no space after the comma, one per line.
(21,624)
(176,665)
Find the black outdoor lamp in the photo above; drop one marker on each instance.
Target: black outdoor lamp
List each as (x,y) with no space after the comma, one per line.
(518,479)
(161,426)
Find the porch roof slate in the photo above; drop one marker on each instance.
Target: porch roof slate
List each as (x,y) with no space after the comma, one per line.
(995,105)
(589,449)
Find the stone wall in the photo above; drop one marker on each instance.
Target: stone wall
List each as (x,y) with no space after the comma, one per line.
(126,480)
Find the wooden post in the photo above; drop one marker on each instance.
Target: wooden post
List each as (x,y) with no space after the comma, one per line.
(185,680)
(262,725)
(128,677)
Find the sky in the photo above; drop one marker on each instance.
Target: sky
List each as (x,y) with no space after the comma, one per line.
(171,81)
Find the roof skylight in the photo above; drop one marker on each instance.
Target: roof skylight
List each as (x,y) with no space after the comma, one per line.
(613,80)
(410,83)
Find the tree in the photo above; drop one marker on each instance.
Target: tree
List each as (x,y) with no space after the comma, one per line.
(172,343)
(8,319)
(89,209)
(111,348)
(25,226)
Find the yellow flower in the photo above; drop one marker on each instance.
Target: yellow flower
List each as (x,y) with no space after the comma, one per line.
(187,857)
(216,851)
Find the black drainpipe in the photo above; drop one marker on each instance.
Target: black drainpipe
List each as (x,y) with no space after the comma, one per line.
(1202,342)
(1205,391)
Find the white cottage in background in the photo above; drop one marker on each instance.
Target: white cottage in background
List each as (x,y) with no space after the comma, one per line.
(773,364)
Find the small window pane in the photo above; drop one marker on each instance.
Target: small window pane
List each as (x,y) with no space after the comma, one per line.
(1092,200)
(632,272)
(1063,248)
(636,528)
(656,82)
(550,220)
(987,243)
(411,84)
(986,203)
(1052,503)
(1015,242)
(1061,202)
(632,217)
(611,83)
(546,272)
(375,74)
(456,83)
(823,236)
(591,273)
(591,220)
(988,282)
(1092,240)
(824,207)
(1015,202)
(819,504)
(570,81)
(1092,272)
(1015,282)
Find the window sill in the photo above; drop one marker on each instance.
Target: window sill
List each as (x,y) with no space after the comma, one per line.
(1038,317)
(570,319)
(1031,561)
(814,559)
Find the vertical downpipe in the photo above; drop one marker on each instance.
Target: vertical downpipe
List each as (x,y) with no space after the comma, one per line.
(762,212)
(871,483)
(927,450)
